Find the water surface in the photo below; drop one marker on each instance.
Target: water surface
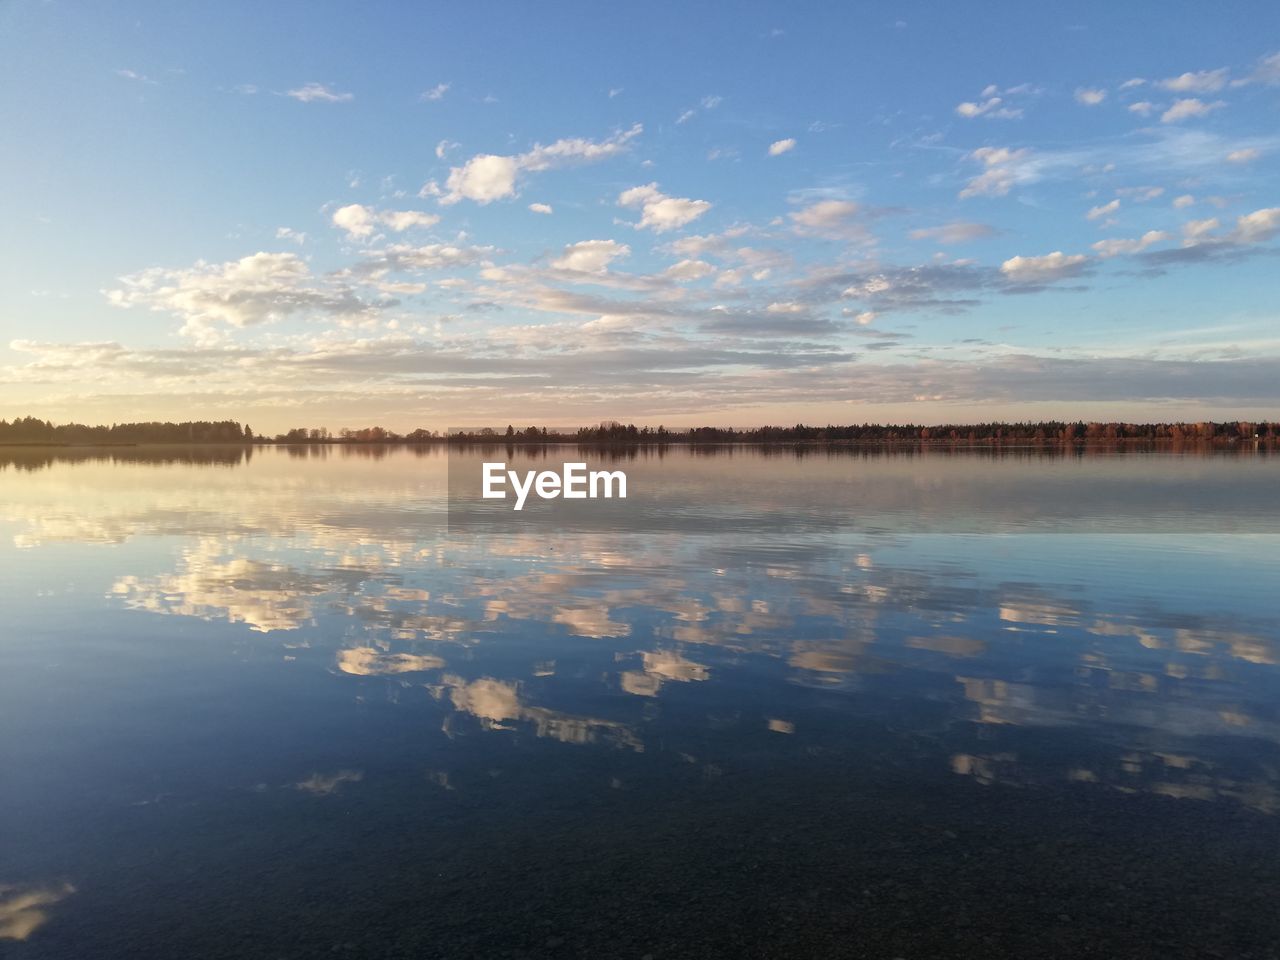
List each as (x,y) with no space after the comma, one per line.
(293,702)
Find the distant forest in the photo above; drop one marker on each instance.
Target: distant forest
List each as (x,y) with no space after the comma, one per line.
(30,430)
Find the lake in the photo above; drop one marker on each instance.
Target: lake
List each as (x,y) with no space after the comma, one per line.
(779,702)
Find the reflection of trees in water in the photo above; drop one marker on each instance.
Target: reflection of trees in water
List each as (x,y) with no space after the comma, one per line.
(39,458)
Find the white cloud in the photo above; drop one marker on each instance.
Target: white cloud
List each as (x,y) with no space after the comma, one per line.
(687,270)
(1045,269)
(288,233)
(444,146)
(255,289)
(686,116)
(1143,108)
(1183,201)
(837,219)
(1268,70)
(950,234)
(591,256)
(436,93)
(1257,226)
(708,244)
(1204,81)
(488,177)
(1115,247)
(779,147)
(659,212)
(711,101)
(1141,194)
(134,75)
(1131,83)
(1090,96)
(1004,168)
(1246,155)
(1185,109)
(1102,210)
(318,92)
(1195,231)
(483,178)
(401,220)
(991,108)
(431,256)
(360,221)
(541,207)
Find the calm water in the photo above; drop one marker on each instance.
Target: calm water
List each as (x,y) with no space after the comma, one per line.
(857,704)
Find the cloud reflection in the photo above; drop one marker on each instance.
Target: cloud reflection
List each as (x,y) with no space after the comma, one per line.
(579,635)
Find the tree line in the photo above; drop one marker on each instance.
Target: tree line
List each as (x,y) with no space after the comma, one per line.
(30,430)
(33,430)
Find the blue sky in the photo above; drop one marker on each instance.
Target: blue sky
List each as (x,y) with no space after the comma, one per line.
(682,213)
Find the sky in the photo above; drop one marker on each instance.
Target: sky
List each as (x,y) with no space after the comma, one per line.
(448,215)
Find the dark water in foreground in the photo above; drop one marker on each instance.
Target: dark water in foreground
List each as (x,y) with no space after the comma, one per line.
(846,705)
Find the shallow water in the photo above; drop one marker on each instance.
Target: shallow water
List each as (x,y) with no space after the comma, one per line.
(778,703)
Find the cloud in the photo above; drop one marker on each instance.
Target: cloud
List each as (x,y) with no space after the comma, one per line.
(318,93)
(1202,242)
(288,233)
(1183,201)
(541,208)
(709,244)
(483,178)
(323,784)
(834,219)
(1143,108)
(1245,155)
(256,289)
(360,221)
(1141,194)
(591,256)
(991,108)
(709,102)
(435,93)
(405,258)
(942,287)
(1089,96)
(1004,169)
(1185,109)
(1204,81)
(779,147)
(1257,226)
(134,75)
(951,234)
(1115,247)
(688,270)
(401,220)
(661,213)
(1194,231)
(22,909)
(1046,269)
(1102,210)
(488,177)
(443,147)
(1268,70)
